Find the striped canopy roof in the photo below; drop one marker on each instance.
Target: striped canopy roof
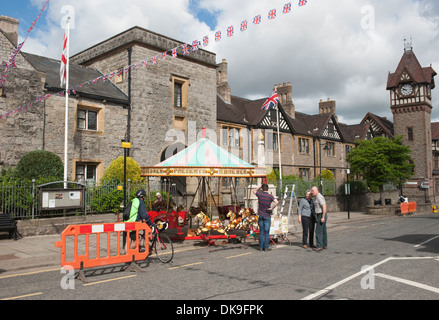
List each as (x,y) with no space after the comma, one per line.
(204,158)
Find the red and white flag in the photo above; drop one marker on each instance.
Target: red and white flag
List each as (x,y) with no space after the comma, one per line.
(63,69)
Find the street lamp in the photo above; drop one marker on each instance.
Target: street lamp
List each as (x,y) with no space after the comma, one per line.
(348,192)
(326,147)
(126,146)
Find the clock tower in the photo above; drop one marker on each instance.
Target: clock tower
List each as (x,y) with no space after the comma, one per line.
(410,100)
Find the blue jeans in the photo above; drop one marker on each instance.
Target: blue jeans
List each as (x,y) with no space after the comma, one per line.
(264,232)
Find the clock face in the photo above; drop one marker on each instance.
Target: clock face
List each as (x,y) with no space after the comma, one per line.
(406,89)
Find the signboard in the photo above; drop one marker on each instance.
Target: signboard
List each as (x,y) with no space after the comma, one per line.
(203,172)
(126,145)
(56,199)
(279,225)
(424,185)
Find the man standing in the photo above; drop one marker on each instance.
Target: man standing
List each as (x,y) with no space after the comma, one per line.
(266,205)
(322,216)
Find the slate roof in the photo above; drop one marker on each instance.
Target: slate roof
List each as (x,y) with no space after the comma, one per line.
(411,64)
(385,124)
(78,75)
(247,112)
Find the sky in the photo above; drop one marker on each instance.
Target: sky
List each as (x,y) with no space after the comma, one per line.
(342,50)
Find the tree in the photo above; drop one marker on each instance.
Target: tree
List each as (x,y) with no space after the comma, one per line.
(115,172)
(382,160)
(40,164)
(326,175)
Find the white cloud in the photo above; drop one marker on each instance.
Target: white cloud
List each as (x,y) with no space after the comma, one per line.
(325,49)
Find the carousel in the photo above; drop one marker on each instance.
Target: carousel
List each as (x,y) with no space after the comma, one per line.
(206,163)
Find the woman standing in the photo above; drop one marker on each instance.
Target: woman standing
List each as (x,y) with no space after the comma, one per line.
(307,219)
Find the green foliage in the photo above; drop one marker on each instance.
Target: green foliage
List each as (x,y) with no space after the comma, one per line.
(273,176)
(40,164)
(382,160)
(326,175)
(115,172)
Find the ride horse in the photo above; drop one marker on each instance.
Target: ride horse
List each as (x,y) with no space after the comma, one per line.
(208,225)
(250,221)
(235,223)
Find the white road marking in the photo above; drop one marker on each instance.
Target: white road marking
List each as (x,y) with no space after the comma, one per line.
(421,244)
(409,282)
(322,292)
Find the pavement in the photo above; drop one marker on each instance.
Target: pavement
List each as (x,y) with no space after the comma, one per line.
(39,252)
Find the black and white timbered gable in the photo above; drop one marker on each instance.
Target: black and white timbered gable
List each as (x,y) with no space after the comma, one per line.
(270,119)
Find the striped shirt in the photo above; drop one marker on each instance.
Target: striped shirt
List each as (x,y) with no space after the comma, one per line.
(265,200)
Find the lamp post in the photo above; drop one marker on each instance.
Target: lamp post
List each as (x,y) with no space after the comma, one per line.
(326,147)
(126,146)
(348,192)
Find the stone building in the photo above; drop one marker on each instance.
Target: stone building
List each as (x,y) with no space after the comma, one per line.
(309,144)
(176,93)
(95,112)
(142,105)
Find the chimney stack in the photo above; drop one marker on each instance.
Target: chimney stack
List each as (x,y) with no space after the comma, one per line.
(9,26)
(223,87)
(328,106)
(285,92)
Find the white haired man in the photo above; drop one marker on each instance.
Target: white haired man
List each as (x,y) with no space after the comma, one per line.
(321,211)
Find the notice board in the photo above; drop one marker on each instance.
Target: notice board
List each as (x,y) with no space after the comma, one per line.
(56,199)
(279,225)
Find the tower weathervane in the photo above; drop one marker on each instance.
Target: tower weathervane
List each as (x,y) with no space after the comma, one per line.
(408,45)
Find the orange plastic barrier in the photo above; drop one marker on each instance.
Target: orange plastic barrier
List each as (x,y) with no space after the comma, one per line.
(412,207)
(114,254)
(404,208)
(408,208)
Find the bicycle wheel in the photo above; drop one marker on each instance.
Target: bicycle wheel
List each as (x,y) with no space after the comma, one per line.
(164,248)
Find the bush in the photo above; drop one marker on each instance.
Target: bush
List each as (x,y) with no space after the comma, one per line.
(40,164)
(115,172)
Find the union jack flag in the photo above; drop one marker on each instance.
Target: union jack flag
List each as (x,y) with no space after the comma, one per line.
(154,60)
(63,66)
(230,31)
(271,102)
(119,72)
(218,36)
(302,2)
(287,8)
(195,45)
(257,19)
(205,41)
(244,25)
(272,14)
(174,53)
(164,55)
(145,63)
(185,49)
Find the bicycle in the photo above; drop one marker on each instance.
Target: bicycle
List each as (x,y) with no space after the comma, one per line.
(160,243)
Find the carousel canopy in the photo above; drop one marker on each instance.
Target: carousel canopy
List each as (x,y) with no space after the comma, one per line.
(204,159)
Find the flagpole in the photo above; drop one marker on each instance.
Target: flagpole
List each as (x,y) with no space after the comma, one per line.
(66,133)
(278,146)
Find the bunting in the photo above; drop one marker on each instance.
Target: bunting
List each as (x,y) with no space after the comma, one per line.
(8,66)
(287,8)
